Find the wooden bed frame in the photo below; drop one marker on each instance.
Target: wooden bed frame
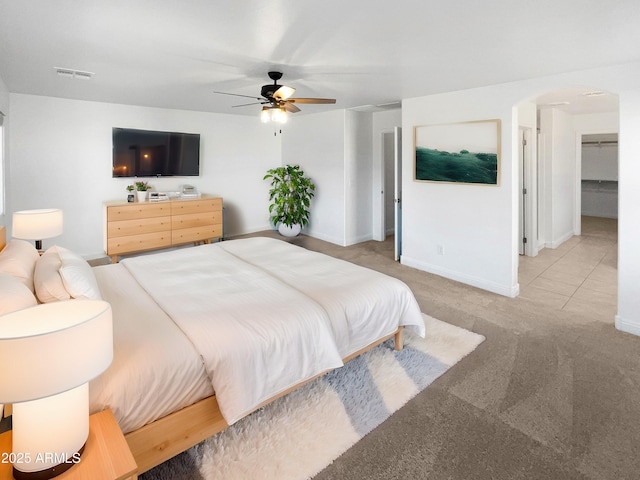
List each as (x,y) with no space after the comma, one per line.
(168,436)
(165,438)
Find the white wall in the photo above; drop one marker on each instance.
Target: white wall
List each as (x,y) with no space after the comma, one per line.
(358,176)
(474,224)
(628,318)
(61,157)
(316,142)
(335,150)
(558,162)
(4,154)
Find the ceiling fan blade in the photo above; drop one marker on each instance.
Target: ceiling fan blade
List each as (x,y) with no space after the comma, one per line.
(247,104)
(238,95)
(312,100)
(283,92)
(290,107)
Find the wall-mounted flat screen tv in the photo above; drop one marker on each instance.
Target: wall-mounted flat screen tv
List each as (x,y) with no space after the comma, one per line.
(147,153)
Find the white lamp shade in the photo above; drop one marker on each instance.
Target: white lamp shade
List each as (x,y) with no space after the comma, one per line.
(37,224)
(53,347)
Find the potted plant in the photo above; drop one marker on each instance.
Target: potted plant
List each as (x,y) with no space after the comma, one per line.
(290,196)
(141,190)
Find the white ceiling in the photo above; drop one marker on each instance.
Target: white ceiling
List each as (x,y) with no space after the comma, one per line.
(364,53)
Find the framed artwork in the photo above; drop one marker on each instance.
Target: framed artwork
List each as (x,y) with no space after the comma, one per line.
(467,152)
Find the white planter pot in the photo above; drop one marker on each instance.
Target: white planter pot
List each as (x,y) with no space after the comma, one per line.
(142,196)
(292,231)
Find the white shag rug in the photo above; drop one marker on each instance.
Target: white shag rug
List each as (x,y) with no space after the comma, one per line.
(298,435)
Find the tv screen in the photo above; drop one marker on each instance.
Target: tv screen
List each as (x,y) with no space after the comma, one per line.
(146,153)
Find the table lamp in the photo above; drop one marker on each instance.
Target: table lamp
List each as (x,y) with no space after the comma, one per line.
(48,354)
(37,225)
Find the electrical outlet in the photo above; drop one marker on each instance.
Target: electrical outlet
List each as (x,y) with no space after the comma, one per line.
(440,250)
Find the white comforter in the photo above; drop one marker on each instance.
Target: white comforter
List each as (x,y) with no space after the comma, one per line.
(363,305)
(257,336)
(266,315)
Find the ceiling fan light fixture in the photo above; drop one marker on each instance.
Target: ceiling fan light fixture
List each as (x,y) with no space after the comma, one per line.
(274,114)
(278,115)
(265,115)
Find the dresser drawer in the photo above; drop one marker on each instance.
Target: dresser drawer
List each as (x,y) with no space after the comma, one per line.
(195,220)
(138,243)
(138,210)
(196,206)
(196,234)
(138,226)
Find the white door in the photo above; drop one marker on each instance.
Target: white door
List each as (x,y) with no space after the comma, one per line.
(397,161)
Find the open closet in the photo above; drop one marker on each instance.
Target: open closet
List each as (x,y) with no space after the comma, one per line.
(600,175)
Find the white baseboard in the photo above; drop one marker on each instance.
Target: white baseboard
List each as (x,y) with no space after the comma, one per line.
(627,326)
(326,238)
(505,290)
(359,239)
(561,240)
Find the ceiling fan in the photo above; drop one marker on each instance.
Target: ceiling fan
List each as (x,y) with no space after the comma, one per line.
(277,100)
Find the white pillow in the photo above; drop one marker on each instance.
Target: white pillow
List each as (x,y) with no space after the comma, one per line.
(18,259)
(77,276)
(14,295)
(47,280)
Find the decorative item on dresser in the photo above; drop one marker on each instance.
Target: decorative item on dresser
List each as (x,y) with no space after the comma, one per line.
(141,190)
(132,228)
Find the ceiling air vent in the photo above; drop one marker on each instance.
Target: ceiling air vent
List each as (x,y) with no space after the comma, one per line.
(71,73)
(389,106)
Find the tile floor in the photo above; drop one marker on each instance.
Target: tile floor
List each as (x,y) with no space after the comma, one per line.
(581,275)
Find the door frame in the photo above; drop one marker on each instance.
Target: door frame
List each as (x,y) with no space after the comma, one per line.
(379,232)
(397,192)
(528,204)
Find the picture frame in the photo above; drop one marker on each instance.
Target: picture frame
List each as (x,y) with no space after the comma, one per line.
(461,153)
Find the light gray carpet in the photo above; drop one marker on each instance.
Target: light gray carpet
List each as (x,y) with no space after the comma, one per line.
(550,394)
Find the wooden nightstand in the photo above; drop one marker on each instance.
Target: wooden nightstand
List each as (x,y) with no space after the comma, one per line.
(106,455)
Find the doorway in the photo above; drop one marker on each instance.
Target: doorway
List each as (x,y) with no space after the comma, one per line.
(388,179)
(392,188)
(599,175)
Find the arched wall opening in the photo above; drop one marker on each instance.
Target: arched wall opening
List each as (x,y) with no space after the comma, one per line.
(556,187)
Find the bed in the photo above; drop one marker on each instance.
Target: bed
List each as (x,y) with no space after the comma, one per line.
(205,335)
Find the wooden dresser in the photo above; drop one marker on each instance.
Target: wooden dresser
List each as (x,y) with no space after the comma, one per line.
(137,227)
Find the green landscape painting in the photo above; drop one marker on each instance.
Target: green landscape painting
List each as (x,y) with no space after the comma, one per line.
(458,153)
